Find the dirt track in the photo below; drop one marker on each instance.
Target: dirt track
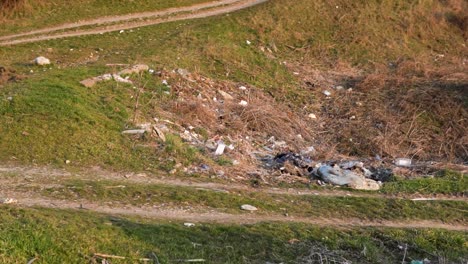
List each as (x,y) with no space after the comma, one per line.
(125,22)
(11,176)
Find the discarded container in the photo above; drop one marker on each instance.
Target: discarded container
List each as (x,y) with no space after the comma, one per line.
(220,149)
(403,162)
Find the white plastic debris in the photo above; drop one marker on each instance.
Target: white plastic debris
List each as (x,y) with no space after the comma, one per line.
(312,116)
(327,93)
(248,207)
(8,201)
(242,88)
(220,149)
(121,31)
(41,61)
(243,103)
(164,82)
(403,162)
(248,42)
(189,224)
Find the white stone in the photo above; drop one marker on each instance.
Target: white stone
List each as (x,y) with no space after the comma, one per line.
(243,103)
(248,207)
(41,61)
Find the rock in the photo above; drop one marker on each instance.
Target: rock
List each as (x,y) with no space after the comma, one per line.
(225,95)
(248,207)
(89,82)
(243,103)
(339,88)
(327,93)
(41,61)
(135,69)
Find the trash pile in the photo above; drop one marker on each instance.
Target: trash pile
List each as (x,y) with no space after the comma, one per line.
(244,127)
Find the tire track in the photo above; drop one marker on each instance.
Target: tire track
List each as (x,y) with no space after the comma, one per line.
(123,23)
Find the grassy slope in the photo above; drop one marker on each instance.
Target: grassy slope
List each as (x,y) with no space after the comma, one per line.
(213,46)
(37,14)
(48,233)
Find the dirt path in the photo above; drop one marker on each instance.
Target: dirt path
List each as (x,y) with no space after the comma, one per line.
(124,22)
(202,215)
(47,177)
(11,176)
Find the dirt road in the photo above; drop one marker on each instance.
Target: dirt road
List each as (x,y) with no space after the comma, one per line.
(125,22)
(44,177)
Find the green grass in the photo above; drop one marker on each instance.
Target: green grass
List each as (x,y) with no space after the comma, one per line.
(447,182)
(308,206)
(38,14)
(45,234)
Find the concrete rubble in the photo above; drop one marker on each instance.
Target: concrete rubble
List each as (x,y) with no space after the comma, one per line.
(136,69)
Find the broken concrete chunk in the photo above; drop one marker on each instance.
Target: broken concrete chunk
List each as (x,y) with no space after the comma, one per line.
(134,132)
(41,61)
(248,207)
(135,69)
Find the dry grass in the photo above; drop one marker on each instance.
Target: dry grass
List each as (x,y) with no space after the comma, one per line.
(398,113)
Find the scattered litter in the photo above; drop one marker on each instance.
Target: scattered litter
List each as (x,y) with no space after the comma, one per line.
(312,116)
(220,148)
(242,88)
(41,61)
(403,162)
(134,132)
(327,93)
(248,42)
(248,207)
(345,177)
(165,82)
(189,224)
(243,103)
(67,161)
(8,201)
